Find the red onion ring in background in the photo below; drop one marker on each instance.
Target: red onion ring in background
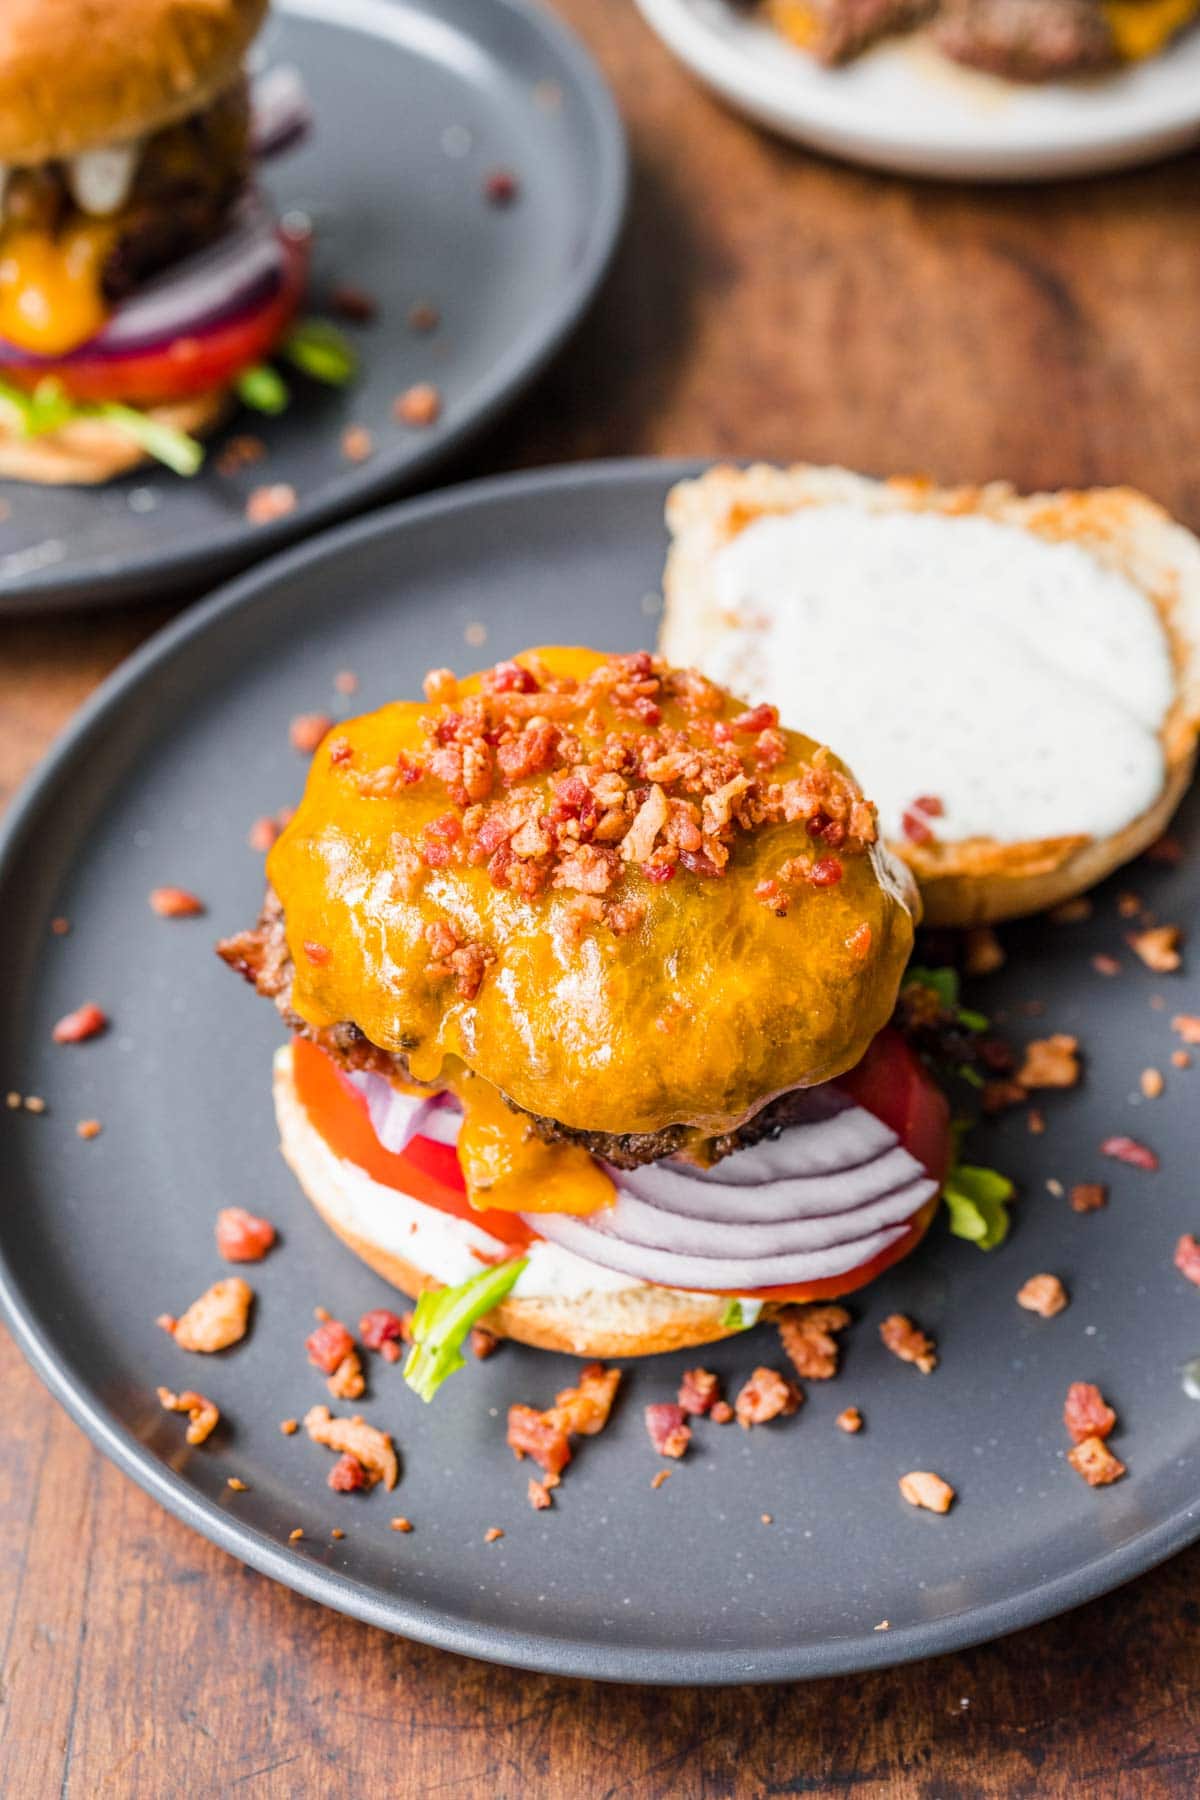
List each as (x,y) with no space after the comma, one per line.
(396,1118)
(280,113)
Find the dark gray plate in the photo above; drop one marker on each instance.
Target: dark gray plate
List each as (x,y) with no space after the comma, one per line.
(157,782)
(415,102)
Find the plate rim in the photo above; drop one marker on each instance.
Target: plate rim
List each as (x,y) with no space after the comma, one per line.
(826,123)
(99,582)
(856,1653)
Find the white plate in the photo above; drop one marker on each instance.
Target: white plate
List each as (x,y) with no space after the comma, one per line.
(904,107)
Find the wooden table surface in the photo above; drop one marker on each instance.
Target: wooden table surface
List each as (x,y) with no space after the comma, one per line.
(764,303)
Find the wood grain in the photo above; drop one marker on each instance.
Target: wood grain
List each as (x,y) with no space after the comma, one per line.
(767,303)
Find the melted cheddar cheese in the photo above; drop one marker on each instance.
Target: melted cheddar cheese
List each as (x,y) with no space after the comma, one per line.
(699,1013)
(1142,28)
(506,1165)
(51,295)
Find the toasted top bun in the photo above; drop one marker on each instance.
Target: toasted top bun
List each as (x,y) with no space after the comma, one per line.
(89,451)
(78,75)
(634,1320)
(979,879)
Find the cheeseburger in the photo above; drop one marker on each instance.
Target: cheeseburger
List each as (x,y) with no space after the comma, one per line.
(140,278)
(588,970)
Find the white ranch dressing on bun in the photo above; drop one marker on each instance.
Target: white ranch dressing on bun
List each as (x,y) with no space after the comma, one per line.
(100,180)
(1021,682)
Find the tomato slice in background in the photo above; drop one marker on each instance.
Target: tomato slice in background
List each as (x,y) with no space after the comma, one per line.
(891,1081)
(182,366)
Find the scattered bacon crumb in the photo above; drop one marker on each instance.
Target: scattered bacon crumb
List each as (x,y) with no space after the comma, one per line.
(767,1395)
(806,1333)
(345,682)
(34,1103)
(241,1237)
(381,1327)
(401,1524)
(908,1342)
(357,443)
(722,1413)
(1180,1059)
(998,1095)
(262,834)
(539,1496)
(579,1411)
(418,405)
(699,1391)
(1152,1083)
(500,187)
(849,1419)
(289,1427)
(1051,1062)
(267,504)
(354,1437)
(483,1342)
(1071,912)
(240,452)
(167,1322)
(322,1314)
(1086,1413)
(203,1416)
(88,1128)
(983,952)
(1187,1026)
(661,1476)
(237,1484)
(1187,1258)
(1166,850)
(174,903)
(329,1345)
(337,1532)
(1035,1118)
(1106,965)
(923,1488)
(492,1533)
(1093,1459)
(1043,1294)
(669,1431)
(347,1475)
(1128,1150)
(531,1433)
(295,1535)
(422,317)
(1128,906)
(1088,1196)
(352,303)
(85,1022)
(347,1381)
(60,927)
(766,1519)
(217,1319)
(307,730)
(883,1625)
(12,1100)
(1158,948)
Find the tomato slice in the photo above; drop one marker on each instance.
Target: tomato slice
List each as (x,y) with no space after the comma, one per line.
(891,1081)
(183,366)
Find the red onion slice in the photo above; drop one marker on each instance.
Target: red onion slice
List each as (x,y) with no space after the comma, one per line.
(396,1118)
(689,1193)
(280,113)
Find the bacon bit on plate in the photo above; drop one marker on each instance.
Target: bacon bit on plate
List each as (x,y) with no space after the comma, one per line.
(1086,1413)
(1166,850)
(766,1518)
(984,953)
(347,1475)
(1187,1026)
(1187,1258)
(1093,1459)
(908,1342)
(699,1391)
(500,187)
(217,1319)
(923,1488)
(418,405)
(583,1410)
(60,927)
(1036,1121)
(203,1416)
(266,504)
(492,1534)
(240,452)
(289,1427)
(345,682)
(1128,906)
(1158,948)
(1044,1295)
(1071,912)
(659,1478)
(337,1532)
(352,303)
(87,1021)
(354,1437)
(1151,1083)
(1106,965)
(237,1484)
(1128,1150)
(381,1327)
(262,834)
(531,1433)
(722,1413)
(88,1129)
(296,1534)
(329,1345)
(999,1094)
(357,443)
(806,1333)
(307,730)
(241,1237)
(423,317)
(767,1395)
(483,1342)
(1050,1062)
(175,903)
(1088,1196)
(1180,1059)
(539,1495)
(347,1381)
(400,1524)
(34,1103)
(669,1431)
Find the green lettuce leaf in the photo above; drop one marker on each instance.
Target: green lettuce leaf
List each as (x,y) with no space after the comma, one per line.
(944,983)
(442,1320)
(48,409)
(320,350)
(977,1201)
(263,389)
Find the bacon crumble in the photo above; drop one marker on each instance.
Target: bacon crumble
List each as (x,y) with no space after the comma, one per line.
(699,1392)
(767,1395)
(807,1335)
(215,1321)
(581,1411)
(1086,1413)
(1088,1196)
(175,903)
(241,1237)
(1093,1459)
(849,1420)
(1043,1294)
(908,1342)
(1158,947)
(921,1487)
(203,1416)
(669,1431)
(1128,1150)
(1187,1258)
(1050,1062)
(87,1021)
(372,1448)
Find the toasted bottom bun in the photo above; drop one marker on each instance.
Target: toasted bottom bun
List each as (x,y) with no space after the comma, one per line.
(89,451)
(634,1321)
